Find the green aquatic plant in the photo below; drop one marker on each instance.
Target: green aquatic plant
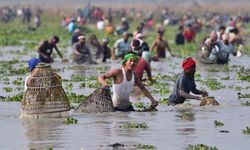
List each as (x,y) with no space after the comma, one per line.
(17,81)
(70,120)
(145,146)
(243,74)
(240,95)
(212,84)
(134,124)
(246,103)
(187,116)
(15,98)
(218,123)
(75,98)
(8,89)
(246,131)
(225,78)
(69,87)
(201,147)
(163,101)
(141,107)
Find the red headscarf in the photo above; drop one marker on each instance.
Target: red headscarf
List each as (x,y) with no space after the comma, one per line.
(188,63)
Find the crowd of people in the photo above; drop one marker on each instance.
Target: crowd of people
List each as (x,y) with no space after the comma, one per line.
(136,54)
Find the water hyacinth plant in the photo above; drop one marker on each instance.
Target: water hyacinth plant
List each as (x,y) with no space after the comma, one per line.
(134,124)
(70,120)
(187,116)
(145,146)
(246,131)
(200,147)
(218,123)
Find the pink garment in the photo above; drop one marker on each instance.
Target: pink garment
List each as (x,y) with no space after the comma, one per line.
(140,67)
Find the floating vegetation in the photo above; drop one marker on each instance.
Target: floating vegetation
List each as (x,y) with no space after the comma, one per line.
(246,131)
(15,98)
(18,81)
(74,98)
(163,101)
(145,146)
(70,120)
(8,89)
(161,91)
(134,125)
(69,87)
(213,84)
(218,123)
(243,74)
(200,147)
(225,78)
(187,116)
(246,103)
(238,88)
(141,107)
(77,78)
(243,95)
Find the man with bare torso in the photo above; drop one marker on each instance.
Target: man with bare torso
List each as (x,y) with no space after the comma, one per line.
(160,44)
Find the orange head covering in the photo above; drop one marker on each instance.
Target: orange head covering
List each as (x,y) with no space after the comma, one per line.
(188,63)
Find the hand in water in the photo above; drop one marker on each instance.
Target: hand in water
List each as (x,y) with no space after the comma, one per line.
(64,60)
(204,94)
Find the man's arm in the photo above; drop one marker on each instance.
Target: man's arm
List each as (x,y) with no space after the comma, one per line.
(188,96)
(58,52)
(167,46)
(111,74)
(145,92)
(199,92)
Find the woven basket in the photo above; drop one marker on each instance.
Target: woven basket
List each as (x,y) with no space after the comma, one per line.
(98,101)
(44,94)
(208,101)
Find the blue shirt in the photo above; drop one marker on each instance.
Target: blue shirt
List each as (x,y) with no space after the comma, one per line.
(185,83)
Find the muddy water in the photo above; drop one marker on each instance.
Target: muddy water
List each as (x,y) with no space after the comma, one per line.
(166,129)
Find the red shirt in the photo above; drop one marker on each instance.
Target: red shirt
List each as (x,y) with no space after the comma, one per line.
(140,67)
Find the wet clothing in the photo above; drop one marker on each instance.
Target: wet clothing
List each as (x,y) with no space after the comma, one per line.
(122,47)
(46,48)
(106,53)
(121,93)
(179,39)
(84,56)
(74,39)
(143,64)
(140,67)
(185,83)
(189,35)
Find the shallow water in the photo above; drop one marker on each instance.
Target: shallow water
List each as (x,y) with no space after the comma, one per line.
(166,129)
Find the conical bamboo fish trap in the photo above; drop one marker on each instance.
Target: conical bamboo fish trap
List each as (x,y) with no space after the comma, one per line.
(44,97)
(208,101)
(98,101)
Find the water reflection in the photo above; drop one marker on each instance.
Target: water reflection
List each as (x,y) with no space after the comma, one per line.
(43,134)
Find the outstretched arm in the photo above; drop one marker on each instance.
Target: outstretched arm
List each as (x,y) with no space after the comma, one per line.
(188,96)
(58,52)
(154,103)
(167,46)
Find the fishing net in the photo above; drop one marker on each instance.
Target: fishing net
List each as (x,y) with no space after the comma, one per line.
(45,93)
(98,101)
(208,101)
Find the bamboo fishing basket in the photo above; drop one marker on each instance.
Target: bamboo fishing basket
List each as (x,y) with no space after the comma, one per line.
(98,101)
(45,96)
(208,101)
